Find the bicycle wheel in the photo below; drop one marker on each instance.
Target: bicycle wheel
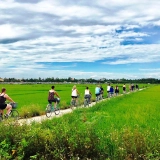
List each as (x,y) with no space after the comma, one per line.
(97,99)
(86,103)
(49,110)
(100,97)
(14,114)
(76,104)
(57,110)
(72,104)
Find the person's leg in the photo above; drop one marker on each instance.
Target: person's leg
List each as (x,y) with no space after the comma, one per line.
(55,102)
(76,100)
(8,108)
(108,94)
(1,112)
(89,98)
(73,99)
(100,96)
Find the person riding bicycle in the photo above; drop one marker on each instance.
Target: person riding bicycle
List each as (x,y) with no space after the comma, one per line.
(108,90)
(87,94)
(116,90)
(51,97)
(102,91)
(97,91)
(111,91)
(124,88)
(3,105)
(74,93)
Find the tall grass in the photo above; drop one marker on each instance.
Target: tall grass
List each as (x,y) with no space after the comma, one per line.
(125,127)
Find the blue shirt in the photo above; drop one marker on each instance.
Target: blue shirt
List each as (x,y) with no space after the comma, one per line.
(97,90)
(111,90)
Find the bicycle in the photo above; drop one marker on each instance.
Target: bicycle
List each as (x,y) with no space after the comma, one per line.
(98,97)
(50,109)
(14,114)
(74,102)
(86,101)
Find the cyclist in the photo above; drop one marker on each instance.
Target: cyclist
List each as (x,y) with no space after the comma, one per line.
(124,88)
(74,93)
(87,94)
(108,90)
(51,97)
(116,90)
(3,105)
(137,88)
(111,91)
(102,91)
(97,91)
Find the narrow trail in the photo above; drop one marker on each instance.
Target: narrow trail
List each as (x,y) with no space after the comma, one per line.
(62,112)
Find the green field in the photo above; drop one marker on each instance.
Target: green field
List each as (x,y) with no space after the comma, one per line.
(35,95)
(126,127)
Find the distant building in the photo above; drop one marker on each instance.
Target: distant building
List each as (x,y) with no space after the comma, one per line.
(1,80)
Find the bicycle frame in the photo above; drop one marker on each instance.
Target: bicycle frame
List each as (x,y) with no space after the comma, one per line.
(86,102)
(74,102)
(98,97)
(50,109)
(13,114)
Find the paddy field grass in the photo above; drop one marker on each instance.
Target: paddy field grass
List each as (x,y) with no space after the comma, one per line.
(125,127)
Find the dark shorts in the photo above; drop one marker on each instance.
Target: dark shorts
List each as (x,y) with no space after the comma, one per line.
(74,96)
(3,106)
(54,100)
(87,96)
(97,95)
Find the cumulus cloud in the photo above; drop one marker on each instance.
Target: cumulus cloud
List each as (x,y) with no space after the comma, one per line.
(36,32)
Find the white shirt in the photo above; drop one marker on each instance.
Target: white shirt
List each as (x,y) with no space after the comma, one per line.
(74,92)
(108,88)
(86,91)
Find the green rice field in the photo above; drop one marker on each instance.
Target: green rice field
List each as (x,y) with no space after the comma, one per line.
(36,94)
(123,128)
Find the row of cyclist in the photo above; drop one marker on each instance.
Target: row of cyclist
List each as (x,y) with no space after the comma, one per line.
(111,91)
(54,97)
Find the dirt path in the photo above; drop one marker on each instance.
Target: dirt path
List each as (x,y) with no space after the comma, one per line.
(62,112)
(43,117)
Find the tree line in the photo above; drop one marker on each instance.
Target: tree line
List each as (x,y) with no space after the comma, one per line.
(90,80)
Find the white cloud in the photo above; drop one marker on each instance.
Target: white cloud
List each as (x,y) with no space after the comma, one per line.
(62,31)
(11,31)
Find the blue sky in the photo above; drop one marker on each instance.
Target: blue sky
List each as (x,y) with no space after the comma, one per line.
(80,39)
